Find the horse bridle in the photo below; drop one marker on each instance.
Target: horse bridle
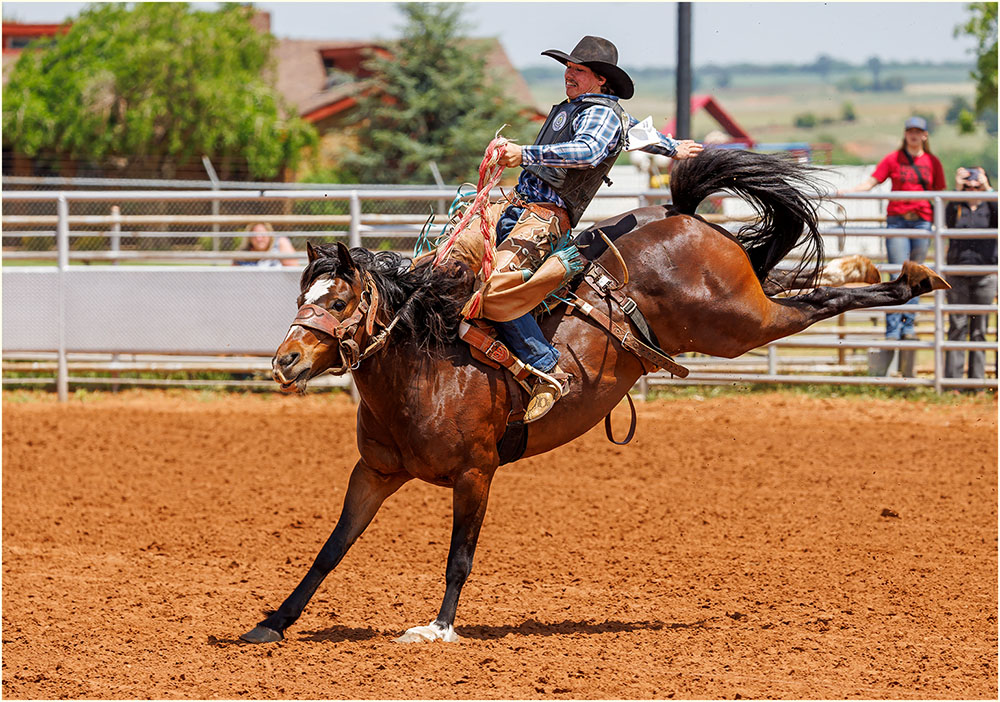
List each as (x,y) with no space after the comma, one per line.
(348,331)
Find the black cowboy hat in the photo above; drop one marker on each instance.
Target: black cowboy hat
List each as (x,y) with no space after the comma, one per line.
(600,56)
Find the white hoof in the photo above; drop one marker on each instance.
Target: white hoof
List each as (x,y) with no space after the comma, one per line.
(431,632)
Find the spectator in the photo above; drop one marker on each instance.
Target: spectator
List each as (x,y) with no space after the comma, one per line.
(261,239)
(970,289)
(912,167)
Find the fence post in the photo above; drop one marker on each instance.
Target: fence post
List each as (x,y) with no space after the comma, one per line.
(62,247)
(439,181)
(116,233)
(354,234)
(212,176)
(116,246)
(939,295)
(354,240)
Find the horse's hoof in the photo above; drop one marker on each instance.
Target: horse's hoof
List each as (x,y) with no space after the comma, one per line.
(923,278)
(262,634)
(431,632)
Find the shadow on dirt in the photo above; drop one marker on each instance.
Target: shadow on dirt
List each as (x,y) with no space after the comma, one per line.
(533,627)
(335,634)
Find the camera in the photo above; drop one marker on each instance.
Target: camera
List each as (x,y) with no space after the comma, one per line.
(974,180)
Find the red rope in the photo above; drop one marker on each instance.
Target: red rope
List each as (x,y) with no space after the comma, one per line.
(490,172)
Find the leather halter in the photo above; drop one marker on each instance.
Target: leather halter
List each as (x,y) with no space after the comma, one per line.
(348,331)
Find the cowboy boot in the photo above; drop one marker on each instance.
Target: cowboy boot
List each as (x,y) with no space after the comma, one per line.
(544,396)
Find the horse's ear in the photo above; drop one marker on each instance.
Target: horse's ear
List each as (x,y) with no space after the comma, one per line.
(344,260)
(312,253)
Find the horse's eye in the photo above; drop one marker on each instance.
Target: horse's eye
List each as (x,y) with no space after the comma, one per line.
(339,305)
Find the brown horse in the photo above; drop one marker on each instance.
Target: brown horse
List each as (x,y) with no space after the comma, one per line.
(437,414)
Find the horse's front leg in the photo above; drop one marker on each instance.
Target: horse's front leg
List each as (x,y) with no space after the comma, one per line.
(470,494)
(366,492)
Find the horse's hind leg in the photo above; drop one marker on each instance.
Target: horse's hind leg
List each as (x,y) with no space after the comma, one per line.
(801,311)
(470,495)
(746,319)
(366,492)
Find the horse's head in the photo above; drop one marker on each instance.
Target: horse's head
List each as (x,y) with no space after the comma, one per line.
(338,303)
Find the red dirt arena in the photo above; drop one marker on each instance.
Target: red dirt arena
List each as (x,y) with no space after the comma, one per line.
(757,545)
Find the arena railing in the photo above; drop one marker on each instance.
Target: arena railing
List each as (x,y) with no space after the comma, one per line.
(358,228)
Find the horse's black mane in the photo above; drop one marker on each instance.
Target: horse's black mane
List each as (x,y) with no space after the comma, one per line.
(428,299)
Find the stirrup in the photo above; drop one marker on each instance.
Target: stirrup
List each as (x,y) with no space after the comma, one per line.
(546,392)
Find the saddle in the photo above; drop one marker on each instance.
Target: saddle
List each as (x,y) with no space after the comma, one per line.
(487,348)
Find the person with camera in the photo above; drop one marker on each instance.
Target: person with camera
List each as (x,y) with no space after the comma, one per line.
(912,167)
(970,289)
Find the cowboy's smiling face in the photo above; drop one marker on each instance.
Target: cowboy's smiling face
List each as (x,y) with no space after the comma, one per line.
(580,80)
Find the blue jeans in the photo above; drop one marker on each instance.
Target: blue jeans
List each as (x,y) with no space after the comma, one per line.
(526,340)
(900,249)
(523,335)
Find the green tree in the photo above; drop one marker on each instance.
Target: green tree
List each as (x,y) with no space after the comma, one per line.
(982,26)
(150,86)
(432,100)
(958,105)
(823,66)
(874,64)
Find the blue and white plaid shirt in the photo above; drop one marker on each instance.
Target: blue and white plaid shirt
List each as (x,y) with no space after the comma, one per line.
(596,131)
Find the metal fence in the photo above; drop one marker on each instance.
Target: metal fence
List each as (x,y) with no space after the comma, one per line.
(103,267)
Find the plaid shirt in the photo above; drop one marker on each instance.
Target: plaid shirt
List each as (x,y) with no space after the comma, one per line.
(595,133)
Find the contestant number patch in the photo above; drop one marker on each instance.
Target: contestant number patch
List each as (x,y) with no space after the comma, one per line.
(560,121)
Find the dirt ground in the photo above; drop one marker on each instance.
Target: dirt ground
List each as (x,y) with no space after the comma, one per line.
(759,545)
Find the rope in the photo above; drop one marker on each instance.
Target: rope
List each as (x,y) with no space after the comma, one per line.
(490,172)
(424,239)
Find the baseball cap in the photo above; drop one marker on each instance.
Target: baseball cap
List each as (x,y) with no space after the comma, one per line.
(916,123)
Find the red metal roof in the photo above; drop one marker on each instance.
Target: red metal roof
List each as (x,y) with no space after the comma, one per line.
(710,105)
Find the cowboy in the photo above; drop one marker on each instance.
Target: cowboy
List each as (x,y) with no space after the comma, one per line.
(562,171)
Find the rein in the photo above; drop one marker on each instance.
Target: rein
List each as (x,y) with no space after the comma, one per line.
(348,331)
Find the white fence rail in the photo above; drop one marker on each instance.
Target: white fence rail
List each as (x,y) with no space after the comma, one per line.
(61,319)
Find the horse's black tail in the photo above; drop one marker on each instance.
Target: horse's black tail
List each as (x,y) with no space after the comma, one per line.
(773,186)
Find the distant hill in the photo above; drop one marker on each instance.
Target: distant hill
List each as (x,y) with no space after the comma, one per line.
(823,102)
(823,68)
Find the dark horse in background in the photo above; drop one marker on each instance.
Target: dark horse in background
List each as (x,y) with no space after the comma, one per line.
(428,410)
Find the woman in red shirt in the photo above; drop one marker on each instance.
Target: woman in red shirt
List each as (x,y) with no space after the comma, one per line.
(912,168)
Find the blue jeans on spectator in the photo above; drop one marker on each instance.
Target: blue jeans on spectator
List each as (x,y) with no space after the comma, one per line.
(898,325)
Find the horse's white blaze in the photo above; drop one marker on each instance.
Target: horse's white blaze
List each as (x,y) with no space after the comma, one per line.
(319,288)
(431,632)
(287,334)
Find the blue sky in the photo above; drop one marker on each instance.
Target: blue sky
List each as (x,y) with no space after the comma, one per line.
(645,32)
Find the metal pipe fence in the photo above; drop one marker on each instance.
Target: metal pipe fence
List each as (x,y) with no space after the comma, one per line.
(61,231)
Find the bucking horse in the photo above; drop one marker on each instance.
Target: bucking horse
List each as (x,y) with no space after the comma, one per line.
(431,410)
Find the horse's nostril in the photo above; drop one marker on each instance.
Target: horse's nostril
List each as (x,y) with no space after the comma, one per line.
(288,360)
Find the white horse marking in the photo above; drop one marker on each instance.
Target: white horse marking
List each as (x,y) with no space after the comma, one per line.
(319,288)
(431,632)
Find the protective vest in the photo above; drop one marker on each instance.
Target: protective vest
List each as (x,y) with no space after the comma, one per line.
(576,186)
